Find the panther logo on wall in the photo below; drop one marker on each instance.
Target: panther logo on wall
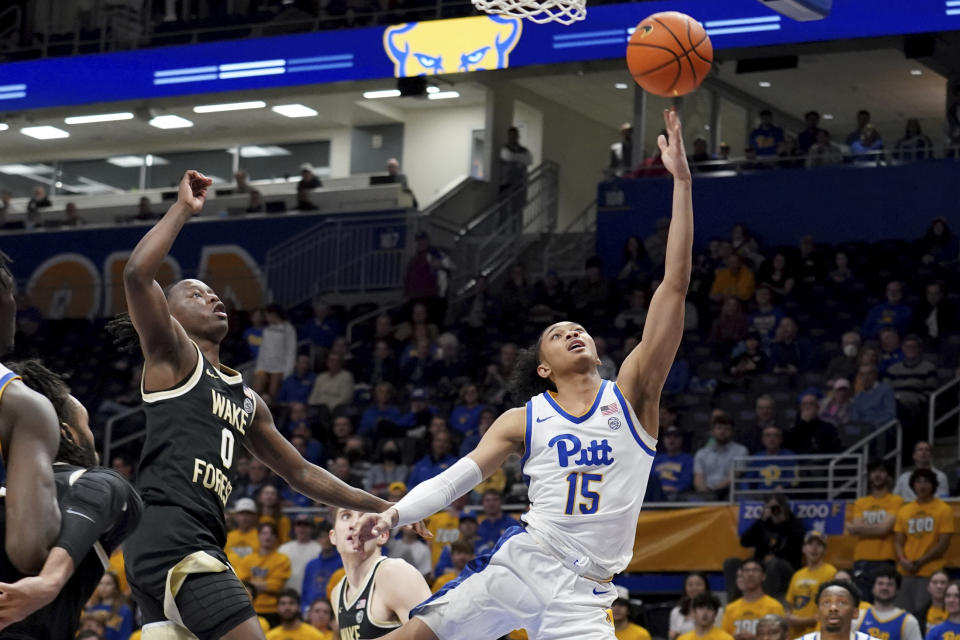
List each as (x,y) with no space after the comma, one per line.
(452,46)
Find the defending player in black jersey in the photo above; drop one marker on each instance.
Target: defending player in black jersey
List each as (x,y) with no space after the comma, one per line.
(99,509)
(199,413)
(376,593)
(28,443)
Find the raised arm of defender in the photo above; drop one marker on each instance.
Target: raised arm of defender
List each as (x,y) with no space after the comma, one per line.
(645,370)
(505,436)
(167,350)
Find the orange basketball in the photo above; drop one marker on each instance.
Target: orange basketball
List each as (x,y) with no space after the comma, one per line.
(669,54)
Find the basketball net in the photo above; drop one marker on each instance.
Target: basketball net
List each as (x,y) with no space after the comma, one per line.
(539,11)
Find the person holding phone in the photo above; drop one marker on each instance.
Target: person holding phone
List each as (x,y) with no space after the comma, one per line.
(777,542)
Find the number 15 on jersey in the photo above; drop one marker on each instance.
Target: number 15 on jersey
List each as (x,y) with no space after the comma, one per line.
(591,499)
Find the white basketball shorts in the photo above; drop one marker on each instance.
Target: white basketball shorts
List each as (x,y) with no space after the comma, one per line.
(519,585)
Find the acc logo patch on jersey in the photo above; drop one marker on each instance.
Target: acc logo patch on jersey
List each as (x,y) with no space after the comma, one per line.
(614,423)
(359,617)
(248,403)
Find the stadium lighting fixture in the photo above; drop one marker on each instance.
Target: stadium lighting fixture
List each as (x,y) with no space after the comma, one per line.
(170,121)
(385,93)
(24,169)
(44,132)
(443,95)
(229,106)
(103,117)
(128,162)
(294,110)
(257,151)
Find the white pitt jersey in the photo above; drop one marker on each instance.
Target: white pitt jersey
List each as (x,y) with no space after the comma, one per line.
(587,477)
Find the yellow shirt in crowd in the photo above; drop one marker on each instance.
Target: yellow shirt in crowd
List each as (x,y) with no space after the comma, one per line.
(935,615)
(744,616)
(497,482)
(728,285)
(334,580)
(264,625)
(118,568)
(302,632)
(633,632)
(444,579)
(873,511)
(802,594)
(922,524)
(445,527)
(282,524)
(240,544)
(715,633)
(274,568)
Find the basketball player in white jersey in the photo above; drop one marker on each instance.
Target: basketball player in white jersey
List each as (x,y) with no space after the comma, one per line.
(587,446)
(838,605)
(376,593)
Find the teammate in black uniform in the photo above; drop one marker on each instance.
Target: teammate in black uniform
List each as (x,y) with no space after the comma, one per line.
(198,415)
(376,593)
(99,509)
(28,444)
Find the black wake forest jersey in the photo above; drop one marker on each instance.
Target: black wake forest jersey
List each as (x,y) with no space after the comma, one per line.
(188,465)
(101,502)
(354,620)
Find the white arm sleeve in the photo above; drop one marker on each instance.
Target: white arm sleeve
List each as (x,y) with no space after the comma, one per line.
(434,494)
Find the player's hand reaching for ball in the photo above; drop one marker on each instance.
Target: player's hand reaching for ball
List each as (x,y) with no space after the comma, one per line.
(373,525)
(672,152)
(193,190)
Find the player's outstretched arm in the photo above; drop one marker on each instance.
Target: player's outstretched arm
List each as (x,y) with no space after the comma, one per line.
(32,513)
(645,370)
(161,337)
(505,436)
(402,587)
(275,451)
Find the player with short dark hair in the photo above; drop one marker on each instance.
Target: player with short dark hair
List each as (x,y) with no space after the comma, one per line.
(838,603)
(587,447)
(199,414)
(376,593)
(99,509)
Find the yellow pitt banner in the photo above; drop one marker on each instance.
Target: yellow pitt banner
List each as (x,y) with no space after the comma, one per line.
(700,538)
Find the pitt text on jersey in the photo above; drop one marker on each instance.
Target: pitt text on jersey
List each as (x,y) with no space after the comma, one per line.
(594,455)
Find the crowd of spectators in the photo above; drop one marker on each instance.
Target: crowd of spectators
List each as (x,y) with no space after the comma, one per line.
(898,560)
(770,147)
(416,389)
